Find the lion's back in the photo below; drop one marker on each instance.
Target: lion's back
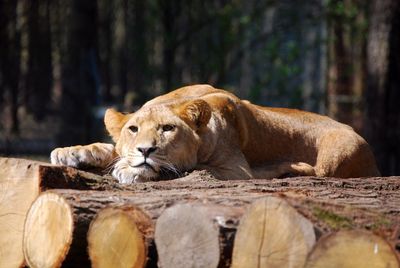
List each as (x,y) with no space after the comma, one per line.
(183,94)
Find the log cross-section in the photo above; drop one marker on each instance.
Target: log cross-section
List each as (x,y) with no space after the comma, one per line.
(272,234)
(47,232)
(21,181)
(349,249)
(119,236)
(55,230)
(196,235)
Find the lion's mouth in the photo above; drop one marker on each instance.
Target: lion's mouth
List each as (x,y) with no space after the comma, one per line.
(146,165)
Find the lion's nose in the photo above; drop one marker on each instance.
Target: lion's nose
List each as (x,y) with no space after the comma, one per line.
(146,151)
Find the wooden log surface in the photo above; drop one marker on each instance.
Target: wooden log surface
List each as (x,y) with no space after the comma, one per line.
(352,248)
(196,235)
(21,181)
(57,225)
(358,203)
(78,208)
(84,204)
(120,236)
(272,234)
(18,188)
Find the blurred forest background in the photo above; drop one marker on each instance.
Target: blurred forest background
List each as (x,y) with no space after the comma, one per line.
(63,62)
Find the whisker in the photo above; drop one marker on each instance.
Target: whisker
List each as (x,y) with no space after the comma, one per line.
(110,165)
(168,166)
(113,161)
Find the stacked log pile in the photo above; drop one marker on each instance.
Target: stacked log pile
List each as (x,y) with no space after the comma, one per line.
(54,216)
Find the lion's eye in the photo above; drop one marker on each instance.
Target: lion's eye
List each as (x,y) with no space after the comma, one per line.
(168,127)
(134,129)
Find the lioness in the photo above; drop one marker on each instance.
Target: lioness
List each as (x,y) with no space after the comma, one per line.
(201,127)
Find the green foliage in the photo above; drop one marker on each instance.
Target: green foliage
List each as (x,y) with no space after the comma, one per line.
(128,51)
(349,15)
(282,65)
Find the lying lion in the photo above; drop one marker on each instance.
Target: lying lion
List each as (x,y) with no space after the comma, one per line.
(200,127)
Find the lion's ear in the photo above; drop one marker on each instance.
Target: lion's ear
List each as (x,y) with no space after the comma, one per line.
(114,122)
(196,113)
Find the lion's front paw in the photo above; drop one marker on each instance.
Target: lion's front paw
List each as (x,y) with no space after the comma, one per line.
(93,155)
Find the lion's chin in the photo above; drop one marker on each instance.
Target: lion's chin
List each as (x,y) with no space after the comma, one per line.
(127,174)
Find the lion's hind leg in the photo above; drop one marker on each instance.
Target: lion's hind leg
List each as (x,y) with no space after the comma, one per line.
(344,154)
(283,169)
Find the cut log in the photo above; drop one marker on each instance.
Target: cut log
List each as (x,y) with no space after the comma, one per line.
(81,207)
(48,226)
(21,181)
(56,227)
(18,190)
(330,203)
(379,194)
(62,177)
(193,235)
(272,234)
(325,217)
(352,249)
(57,224)
(120,237)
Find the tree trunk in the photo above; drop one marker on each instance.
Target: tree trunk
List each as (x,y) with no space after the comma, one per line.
(139,64)
(10,56)
(382,123)
(170,13)
(39,80)
(105,47)
(346,60)
(120,50)
(80,89)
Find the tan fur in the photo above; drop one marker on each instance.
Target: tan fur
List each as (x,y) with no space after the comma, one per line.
(213,129)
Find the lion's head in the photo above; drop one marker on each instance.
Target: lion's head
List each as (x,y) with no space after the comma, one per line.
(158,139)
